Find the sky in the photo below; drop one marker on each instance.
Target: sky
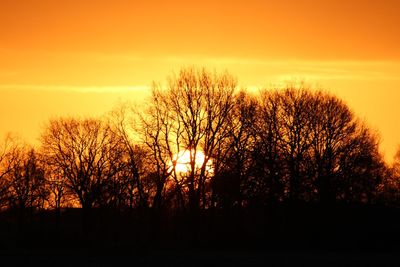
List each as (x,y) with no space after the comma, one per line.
(82,58)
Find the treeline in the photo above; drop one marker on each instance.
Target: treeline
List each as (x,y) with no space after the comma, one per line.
(240,150)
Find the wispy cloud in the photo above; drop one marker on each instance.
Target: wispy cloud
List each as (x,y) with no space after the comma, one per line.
(73,88)
(322,70)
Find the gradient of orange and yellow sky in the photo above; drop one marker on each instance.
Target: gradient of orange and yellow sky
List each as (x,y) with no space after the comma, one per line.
(71,57)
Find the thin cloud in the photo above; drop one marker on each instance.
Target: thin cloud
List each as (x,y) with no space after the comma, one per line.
(73,88)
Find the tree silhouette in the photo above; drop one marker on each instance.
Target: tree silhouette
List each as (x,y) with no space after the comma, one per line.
(360,168)
(56,185)
(295,139)
(191,114)
(155,128)
(27,181)
(22,177)
(132,180)
(233,160)
(8,153)
(333,127)
(301,145)
(201,163)
(390,191)
(87,153)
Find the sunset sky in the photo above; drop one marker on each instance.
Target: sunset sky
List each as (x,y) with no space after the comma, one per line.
(70,57)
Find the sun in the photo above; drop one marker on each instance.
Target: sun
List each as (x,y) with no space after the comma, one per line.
(181,161)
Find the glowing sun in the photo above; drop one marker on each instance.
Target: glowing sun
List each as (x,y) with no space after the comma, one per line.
(181,161)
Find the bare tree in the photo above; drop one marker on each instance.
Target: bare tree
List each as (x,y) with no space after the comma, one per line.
(22,177)
(27,188)
(295,112)
(155,128)
(87,153)
(57,186)
(361,168)
(7,157)
(133,180)
(333,125)
(311,147)
(390,190)
(271,183)
(191,115)
(233,159)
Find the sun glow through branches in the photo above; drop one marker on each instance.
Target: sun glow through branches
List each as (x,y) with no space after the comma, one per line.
(182,162)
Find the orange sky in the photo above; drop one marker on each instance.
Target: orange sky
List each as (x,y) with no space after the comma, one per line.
(80,57)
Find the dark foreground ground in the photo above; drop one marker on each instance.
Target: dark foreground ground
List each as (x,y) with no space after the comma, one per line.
(186,257)
(277,236)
